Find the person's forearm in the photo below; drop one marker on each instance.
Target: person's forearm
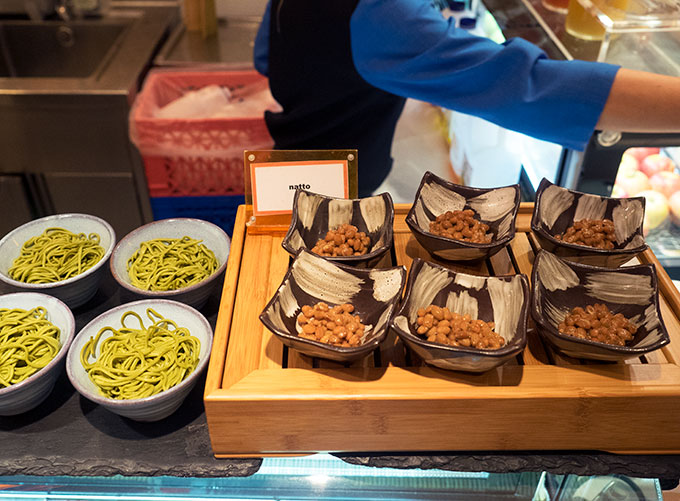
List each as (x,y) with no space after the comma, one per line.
(642,102)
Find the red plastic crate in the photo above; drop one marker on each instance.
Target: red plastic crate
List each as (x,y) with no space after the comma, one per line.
(195,156)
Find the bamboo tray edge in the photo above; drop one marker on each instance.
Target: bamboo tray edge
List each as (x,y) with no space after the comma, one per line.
(262,409)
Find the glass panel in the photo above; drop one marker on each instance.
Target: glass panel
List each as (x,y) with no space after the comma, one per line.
(653,173)
(317,477)
(609,488)
(325,477)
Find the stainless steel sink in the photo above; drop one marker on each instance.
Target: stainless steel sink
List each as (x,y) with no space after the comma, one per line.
(66,89)
(95,55)
(57,49)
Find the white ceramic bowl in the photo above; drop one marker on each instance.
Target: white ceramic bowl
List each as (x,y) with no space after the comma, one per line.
(74,291)
(212,236)
(32,391)
(157,406)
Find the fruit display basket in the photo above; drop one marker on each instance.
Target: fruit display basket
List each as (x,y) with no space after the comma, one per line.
(262,398)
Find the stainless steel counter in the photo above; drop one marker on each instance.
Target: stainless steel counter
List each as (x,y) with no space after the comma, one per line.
(66,89)
(230,48)
(117,68)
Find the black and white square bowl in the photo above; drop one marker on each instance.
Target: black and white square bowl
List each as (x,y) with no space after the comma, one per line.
(559,286)
(503,300)
(557,208)
(314,215)
(310,279)
(496,207)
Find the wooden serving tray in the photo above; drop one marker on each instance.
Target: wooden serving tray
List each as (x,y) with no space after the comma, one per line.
(264,399)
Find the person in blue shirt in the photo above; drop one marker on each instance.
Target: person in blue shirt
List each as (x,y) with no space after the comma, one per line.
(341,70)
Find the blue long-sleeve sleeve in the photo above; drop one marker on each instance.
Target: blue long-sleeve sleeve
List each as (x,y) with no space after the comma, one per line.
(407,48)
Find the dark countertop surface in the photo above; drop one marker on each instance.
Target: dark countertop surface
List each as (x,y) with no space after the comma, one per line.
(71,436)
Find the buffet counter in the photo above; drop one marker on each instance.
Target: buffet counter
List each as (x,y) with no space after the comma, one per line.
(70,436)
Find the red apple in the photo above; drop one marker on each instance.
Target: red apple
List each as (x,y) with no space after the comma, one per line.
(665,183)
(632,182)
(618,192)
(628,164)
(640,153)
(656,210)
(674,203)
(652,164)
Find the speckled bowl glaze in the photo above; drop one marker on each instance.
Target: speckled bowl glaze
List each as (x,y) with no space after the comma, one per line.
(212,236)
(496,207)
(557,208)
(31,392)
(155,407)
(310,279)
(503,300)
(74,291)
(314,215)
(559,286)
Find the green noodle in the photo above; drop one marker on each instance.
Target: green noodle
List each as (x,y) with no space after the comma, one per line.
(140,362)
(166,264)
(55,255)
(28,342)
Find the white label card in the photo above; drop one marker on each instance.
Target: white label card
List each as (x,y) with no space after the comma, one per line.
(274,183)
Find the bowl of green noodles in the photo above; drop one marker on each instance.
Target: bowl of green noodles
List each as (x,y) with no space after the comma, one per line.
(61,255)
(36,331)
(180,259)
(141,359)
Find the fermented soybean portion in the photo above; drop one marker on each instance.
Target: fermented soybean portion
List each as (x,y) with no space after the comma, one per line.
(138,361)
(165,264)
(54,255)
(28,342)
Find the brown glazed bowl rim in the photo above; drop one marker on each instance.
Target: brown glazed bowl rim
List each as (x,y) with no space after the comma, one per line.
(539,318)
(501,352)
(367,347)
(388,225)
(410,217)
(583,249)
